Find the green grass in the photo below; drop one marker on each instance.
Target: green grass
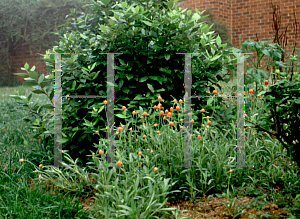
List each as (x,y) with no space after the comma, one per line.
(132,188)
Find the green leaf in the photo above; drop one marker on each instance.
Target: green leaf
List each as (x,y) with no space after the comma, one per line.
(33,74)
(218,40)
(21,90)
(215,58)
(83,36)
(93,66)
(101,108)
(105,2)
(150,87)
(33,68)
(121,116)
(16,97)
(147,23)
(49,77)
(124,4)
(52,94)
(29,83)
(103,28)
(126,90)
(70,61)
(21,74)
(170,4)
(26,66)
(73,85)
(139,97)
(202,41)
(62,140)
(209,101)
(29,97)
(167,56)
(41,79)
(144,79)
(38,92)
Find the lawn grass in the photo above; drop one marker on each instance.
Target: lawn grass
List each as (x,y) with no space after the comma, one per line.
(268,190)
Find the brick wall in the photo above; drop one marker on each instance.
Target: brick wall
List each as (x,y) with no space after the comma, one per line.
(244,18)
(22,54)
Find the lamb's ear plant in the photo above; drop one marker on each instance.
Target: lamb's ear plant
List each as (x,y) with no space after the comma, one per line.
(40,117)
(129,191)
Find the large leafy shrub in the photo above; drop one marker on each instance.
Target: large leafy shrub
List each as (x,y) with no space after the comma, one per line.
(148,67)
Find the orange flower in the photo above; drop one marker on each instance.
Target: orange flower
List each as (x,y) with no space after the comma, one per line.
(100,152)
(159,105)
(96,131)
(174,101)
(208,122)
(144,136)
(180,101)
(133,112)
(266,82)
(192,121)
(214,91)
(145,113)
(123,107)
(162,112)
(155,125)
(119,163)
(155,169)
(222,92)
(130,129)
(199,136)
(105,102)
(136,112)
(164,118)
(233,93)
(171,123)
(203,110)
(166,111)
(140,153)
(158,132)
(120,128)
(142,117)
(171,109)
(159,98)
(177,108)
(250,91)
(259,96)
(40,166)
(155,107)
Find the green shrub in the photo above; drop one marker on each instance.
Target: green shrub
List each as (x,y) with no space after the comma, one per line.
(149,68)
